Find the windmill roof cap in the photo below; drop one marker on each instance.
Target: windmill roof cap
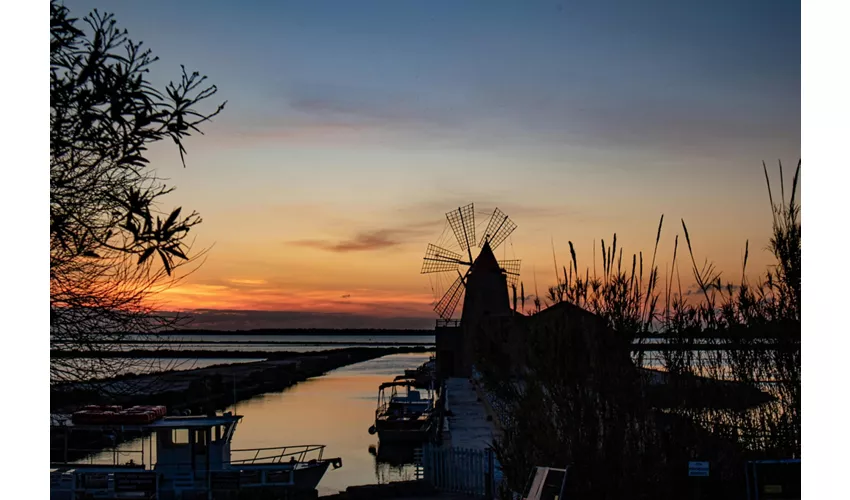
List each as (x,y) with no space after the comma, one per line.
(486,261)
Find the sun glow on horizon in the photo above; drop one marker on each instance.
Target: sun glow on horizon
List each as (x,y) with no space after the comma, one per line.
(329,172)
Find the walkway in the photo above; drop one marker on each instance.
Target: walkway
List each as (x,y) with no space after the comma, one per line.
(468,426)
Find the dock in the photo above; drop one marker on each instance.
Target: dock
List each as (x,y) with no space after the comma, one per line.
(470,423)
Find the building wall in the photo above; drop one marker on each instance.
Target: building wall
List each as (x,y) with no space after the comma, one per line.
(450,351)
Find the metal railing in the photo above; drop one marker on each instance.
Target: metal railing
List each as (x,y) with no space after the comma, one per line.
(459,470)
(276,455)
(89,455)
(280,454)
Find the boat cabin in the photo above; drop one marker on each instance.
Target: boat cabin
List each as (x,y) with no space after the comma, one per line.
(192,455)
(404,414)
(403,399)
(197,444)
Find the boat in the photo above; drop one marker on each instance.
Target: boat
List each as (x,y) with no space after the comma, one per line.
(423,376)
(190,457)
(405,415)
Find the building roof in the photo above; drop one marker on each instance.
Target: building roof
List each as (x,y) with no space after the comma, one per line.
(486,261)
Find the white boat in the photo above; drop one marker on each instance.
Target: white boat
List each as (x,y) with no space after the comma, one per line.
(194,459)
(404,416)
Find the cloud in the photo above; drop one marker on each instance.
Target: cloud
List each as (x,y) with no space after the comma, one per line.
(337,114)
(276,295)
(367,105)
(247,281)
(644,121)
(365,241)
(484,206)
(307,131)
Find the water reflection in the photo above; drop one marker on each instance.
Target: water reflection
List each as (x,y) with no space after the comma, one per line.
(392,454)
(335,410)
(392,463)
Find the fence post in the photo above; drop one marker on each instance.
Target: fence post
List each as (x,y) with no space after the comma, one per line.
(482,481)
(482,478)
(450,470)
(488,488)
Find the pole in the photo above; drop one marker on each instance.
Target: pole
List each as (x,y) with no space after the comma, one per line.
(488,486)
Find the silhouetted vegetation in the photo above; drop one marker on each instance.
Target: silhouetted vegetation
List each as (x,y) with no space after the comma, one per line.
(575,397)
(111,246)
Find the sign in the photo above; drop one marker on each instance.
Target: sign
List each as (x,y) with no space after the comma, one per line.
(698,469)
(135,481)
(774,479)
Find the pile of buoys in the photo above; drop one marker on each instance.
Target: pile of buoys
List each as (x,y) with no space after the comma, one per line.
(101,415)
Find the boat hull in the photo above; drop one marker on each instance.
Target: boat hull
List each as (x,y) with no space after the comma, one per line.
(400,434)
(309,478)
(305,478)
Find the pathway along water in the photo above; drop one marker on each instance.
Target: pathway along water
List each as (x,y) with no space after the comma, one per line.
(335,409)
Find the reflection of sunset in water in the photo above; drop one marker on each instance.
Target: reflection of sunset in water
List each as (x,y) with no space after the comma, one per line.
(337,410)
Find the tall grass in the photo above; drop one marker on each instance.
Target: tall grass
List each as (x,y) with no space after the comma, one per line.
(743,331)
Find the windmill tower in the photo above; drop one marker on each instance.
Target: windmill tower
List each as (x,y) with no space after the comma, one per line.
(481,282)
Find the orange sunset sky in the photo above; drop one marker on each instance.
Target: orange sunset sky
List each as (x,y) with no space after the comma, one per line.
(349,132)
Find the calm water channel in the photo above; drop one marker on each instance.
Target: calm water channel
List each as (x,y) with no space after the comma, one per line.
(335,409)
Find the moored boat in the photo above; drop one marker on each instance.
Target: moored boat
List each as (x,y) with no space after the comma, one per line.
(423,377)
(193,458)
(406,415)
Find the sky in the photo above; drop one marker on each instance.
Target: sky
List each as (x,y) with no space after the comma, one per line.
(352,127)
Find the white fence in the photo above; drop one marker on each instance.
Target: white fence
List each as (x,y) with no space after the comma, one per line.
(459,470)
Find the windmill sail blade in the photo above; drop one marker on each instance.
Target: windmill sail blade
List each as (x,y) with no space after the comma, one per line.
(438,259)
(498,229)
(511,268)
(446,306)
(462,221)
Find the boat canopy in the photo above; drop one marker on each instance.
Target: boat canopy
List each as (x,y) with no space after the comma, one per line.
(397,383)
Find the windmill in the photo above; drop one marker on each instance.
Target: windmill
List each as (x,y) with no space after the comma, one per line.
(441,260)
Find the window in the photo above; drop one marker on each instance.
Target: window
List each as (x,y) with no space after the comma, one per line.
(201,437)
(180,436)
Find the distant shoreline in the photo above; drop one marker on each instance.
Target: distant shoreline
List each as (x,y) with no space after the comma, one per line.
(215,354)
(300,331)
(158,341)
